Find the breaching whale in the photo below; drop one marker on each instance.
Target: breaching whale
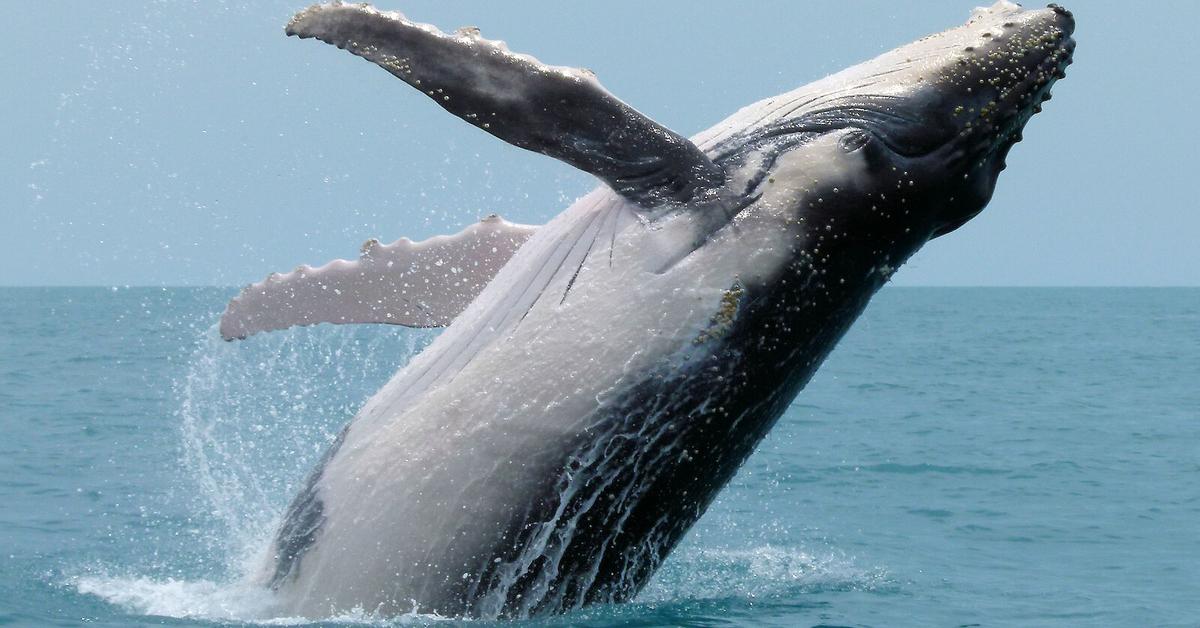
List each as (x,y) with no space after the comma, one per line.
(603,376)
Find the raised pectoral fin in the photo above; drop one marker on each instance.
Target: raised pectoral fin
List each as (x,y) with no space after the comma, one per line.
(416,284)
(557,111)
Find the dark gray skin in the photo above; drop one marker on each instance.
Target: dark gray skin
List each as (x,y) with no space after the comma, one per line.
(907,149)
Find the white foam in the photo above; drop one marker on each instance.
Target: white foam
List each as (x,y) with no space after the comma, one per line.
(691,574)
(765,571)
(201,599)
(212,601)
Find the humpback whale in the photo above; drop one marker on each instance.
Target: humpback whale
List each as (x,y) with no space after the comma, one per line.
(601,377)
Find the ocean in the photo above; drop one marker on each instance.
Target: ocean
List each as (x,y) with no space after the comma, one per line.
(966,457)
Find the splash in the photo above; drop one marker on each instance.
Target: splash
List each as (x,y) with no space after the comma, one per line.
(195,599)
(253,419)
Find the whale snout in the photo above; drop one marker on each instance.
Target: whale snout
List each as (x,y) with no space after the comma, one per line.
(1003,64)
(1068,18)
(1065,21)
(1007,61)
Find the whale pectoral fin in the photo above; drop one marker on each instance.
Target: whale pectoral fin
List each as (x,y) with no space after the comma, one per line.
(557,111)
(416,284)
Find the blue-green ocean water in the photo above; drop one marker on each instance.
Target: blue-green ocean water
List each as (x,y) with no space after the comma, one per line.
(995,457)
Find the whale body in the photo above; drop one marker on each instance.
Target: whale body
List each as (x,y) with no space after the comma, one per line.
(603,376)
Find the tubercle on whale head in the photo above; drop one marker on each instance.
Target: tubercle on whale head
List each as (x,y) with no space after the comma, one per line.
(945,110)
(991,91)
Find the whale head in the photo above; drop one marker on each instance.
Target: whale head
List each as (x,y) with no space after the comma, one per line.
(975,101)
(940,113)
(948,108)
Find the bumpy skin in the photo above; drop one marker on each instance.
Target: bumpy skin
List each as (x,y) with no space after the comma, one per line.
(553,445)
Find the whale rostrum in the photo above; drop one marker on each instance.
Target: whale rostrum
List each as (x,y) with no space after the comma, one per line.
(603,376)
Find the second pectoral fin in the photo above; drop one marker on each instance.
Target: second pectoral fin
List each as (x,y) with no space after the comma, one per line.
(416,284)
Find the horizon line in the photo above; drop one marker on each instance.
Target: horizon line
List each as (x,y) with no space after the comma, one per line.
(901,286)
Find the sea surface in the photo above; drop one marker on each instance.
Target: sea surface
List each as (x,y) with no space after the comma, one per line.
(991,457)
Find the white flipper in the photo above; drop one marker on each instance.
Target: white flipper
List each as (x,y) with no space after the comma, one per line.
(416,284)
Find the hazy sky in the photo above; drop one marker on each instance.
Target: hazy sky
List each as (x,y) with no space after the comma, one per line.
(176,143)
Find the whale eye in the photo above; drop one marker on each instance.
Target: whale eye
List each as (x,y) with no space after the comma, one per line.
(854,140)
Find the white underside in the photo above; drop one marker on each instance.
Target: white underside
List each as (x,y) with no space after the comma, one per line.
(460,441)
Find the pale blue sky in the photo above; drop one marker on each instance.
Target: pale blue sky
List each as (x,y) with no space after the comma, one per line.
(178,143)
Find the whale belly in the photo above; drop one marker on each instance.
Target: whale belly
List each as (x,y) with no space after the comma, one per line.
(448,497)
